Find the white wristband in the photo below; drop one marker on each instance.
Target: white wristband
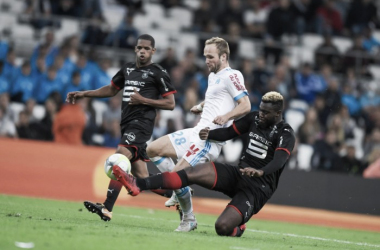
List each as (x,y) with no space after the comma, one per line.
(199,107)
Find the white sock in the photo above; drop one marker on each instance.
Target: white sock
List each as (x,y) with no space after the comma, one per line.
(184,199)
(164,164)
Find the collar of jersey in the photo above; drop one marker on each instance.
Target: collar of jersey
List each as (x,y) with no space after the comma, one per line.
(223,70)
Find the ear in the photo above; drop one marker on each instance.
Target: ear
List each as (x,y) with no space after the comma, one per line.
(153,51)
(136,50)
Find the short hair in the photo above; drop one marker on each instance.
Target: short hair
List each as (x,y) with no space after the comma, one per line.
(221,45)
(275,98)
(147,37)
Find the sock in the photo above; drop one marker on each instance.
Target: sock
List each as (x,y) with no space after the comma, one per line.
(166,180)
(114,188)
(184,199)
(164,164)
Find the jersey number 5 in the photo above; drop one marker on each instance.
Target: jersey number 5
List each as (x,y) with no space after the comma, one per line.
(257,149)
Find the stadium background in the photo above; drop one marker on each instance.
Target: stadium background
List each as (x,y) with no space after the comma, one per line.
(321,55)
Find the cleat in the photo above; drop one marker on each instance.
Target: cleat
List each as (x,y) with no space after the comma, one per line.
(242,229)
(128,181)
(187,224)
(99,209)
(173,201)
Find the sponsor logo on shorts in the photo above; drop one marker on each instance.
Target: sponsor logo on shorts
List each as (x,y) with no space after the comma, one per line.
(131,136)
(192,151)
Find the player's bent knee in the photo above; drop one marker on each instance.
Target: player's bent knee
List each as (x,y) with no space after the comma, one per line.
(223,228)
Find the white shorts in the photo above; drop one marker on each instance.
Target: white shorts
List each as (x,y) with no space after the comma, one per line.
(190,147)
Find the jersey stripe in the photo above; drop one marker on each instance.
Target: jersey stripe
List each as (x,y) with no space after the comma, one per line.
(204,151)
(168,93)
(235,128)
(240,96)
(287,151)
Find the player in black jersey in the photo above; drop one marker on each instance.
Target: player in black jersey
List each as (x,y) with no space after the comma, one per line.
(250,184)
(142,83)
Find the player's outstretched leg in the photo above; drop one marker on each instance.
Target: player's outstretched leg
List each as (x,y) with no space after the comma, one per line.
(99,209)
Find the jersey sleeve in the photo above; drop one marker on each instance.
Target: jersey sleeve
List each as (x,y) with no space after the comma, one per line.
(242,125)
(286,140)
(235,85)
(118,80)
(164,83)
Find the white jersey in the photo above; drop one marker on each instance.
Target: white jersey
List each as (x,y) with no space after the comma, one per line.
(224,89)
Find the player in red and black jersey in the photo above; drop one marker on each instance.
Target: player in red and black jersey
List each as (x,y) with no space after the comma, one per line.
(146,87)
(250,184)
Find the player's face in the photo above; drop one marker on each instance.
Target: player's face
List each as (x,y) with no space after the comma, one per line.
(267,115)
(213,60)
(144,52)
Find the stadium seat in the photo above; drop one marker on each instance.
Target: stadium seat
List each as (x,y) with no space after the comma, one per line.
(68,27)
(343,44)
(154,10)
(232,150)
(312,41)
(22,32)
(295,118)
(114,16)
(246,49)
(169,25)
(99,107)
(299,105)
(39,112)
(183,16)
(376,34)
(142,22)
(192,4)
(375,71)
(305,152)
(185,41)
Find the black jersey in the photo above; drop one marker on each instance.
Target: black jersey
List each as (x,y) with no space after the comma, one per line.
(261,146)
(151,82)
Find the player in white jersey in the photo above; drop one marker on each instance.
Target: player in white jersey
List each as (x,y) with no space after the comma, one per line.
(226,99)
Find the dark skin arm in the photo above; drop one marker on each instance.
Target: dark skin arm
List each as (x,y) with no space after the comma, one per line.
(105,91)
(167,102)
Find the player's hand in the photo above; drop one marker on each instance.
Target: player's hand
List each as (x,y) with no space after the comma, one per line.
(72,96)
(136,98)
(220,120)
(252,172)
(195,110)
(203,134)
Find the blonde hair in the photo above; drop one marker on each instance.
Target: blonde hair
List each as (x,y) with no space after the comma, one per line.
(221,45)
(275,98)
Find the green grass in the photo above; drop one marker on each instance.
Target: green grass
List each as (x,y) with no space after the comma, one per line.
(67,225)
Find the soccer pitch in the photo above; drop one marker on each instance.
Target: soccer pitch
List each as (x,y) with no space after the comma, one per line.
(50,224)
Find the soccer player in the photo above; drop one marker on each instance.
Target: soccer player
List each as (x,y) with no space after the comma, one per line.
(226,99)
(142,83)
(250,184)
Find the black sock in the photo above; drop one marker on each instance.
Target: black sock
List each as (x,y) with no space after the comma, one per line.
(114,188)
(152,182)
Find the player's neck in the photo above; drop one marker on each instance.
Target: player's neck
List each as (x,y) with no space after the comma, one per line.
(223,66)
(139,65)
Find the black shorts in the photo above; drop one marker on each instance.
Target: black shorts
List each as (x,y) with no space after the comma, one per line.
(247,198)
(134,138)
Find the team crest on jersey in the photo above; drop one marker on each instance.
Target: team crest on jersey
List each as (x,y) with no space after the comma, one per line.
(144,75)
(129,70)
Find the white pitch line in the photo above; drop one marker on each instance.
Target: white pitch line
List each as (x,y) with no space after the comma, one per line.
(315,238)
(268,232)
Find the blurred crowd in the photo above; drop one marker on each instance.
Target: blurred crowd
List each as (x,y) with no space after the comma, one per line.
(336,95)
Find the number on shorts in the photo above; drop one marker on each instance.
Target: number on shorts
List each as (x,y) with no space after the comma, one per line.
(180,141)
(179,133)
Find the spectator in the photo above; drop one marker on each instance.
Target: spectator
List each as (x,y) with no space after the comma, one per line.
(24,130)
(357,58)
(373,169)
(64,70)
(4,104)
(91,127)
(350,100)
(370,99)
(7,127)
(233,38)
(102,77)
(370,43)
(10,69)
(308,84)
(5,85)
(203,16)
(4,46)
(69,124)
(74,85)
(305,13)
(47,49)
(39,69)
(325,156)
(260,76)
(29,110)
(112,135)
(231,14)
(310,130)
(169,60)
(95,31)
(331,21)
(87,72)
(255,18)
(125,35)
(48,84)
(45,126)
(350,164)
(69,8)
(24,84)
(323,113)
(360,14)
(112,113)
(332,96)
(372,141)
(327,53)
(39,12)
(91,8)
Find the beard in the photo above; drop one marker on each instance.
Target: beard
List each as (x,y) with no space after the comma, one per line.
(216,68)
